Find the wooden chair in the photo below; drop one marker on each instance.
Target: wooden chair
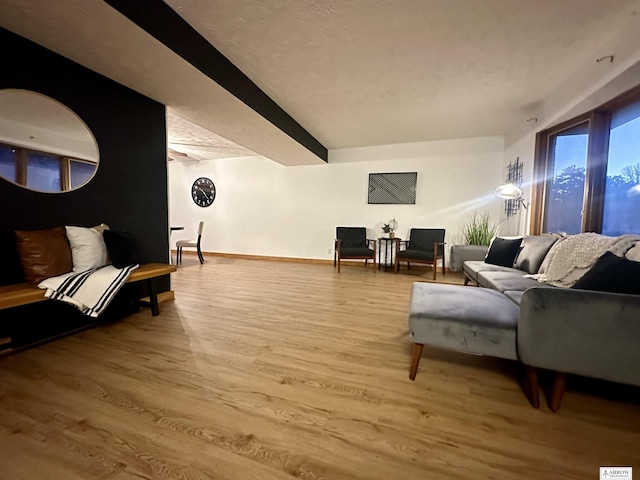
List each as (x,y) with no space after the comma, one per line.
(425,245)
(180,244)
(352,243)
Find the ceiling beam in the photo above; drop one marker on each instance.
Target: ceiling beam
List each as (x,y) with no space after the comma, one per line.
(160,21)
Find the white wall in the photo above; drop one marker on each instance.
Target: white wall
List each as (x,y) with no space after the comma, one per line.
(264,208)
(524,150)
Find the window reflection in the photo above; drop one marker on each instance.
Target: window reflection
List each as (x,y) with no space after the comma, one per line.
(80,172)
(8,163)
(44,146)
(43,173)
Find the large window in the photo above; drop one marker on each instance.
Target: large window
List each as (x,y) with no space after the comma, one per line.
(587,172)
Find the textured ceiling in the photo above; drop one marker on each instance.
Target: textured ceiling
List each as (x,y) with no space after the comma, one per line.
(359,72)
(351,72)
(199,143)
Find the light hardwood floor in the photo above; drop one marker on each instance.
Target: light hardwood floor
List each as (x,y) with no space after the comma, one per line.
(272,370)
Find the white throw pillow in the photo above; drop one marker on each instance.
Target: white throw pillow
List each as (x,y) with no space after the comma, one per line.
(88,249)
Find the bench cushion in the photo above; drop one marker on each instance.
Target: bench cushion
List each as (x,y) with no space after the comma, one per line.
(472,320)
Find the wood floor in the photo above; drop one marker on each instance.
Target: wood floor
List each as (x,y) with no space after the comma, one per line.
(271,370)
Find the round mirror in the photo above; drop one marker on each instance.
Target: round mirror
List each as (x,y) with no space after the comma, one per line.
(44,146)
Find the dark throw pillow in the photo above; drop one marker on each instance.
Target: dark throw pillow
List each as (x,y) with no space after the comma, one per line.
(122,248)
(503,251)
(612,274)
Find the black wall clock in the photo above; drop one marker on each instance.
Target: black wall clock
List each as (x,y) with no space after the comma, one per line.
(203,192)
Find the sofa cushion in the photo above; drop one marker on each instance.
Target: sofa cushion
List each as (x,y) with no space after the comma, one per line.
(534,249)
(612,274)
(412,254)
(514,295)
(503,251)
(43,253)
(503,281)
(467,319)
(472,268)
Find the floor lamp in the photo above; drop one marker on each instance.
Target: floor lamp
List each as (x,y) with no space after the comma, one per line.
(510,191)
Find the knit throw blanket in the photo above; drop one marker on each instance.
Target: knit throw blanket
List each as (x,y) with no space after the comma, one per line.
(569,259)
(90,291)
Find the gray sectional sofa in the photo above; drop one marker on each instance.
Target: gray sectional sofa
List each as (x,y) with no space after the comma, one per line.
(567,330)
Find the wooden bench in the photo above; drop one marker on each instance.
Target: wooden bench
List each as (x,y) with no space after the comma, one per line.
(24,293)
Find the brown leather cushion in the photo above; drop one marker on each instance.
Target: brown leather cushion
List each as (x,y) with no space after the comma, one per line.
(43,253)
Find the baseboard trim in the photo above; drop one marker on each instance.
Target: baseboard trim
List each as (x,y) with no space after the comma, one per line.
(294,259)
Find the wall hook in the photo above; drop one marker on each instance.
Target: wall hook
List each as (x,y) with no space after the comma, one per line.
(532,119)
(610,57)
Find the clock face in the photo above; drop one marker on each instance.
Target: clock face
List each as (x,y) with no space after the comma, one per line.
(203,192)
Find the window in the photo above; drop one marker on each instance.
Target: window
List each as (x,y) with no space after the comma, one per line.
(587,172)
(568,164)
(622,189)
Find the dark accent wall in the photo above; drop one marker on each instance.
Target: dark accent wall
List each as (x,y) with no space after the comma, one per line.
(162,22)
(129,190)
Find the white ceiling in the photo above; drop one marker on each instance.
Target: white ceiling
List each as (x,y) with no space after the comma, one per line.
(351,72)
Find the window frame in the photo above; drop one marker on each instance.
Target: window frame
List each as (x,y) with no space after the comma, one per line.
(598,127)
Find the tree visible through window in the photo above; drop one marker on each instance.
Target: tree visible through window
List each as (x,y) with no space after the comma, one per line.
(564,203)
(622,192)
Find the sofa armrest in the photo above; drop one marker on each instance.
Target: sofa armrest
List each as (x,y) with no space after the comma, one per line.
(594,334)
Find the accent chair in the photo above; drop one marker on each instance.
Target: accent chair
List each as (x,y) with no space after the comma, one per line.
(425,245)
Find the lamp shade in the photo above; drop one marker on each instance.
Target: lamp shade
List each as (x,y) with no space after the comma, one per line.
(509,191)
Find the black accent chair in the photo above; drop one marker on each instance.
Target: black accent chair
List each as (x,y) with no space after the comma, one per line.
(425,245)
(352,243)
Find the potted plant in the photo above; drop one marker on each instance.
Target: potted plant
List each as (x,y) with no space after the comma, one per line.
(478,233)
(479,230)
(390,227)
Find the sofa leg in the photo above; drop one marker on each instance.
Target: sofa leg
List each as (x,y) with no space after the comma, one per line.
(531,386)
(466,280)
(557,391)
(415,359)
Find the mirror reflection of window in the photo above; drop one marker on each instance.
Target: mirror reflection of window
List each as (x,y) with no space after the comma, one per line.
(44,146)
(43,173)
(80,172)
(8,163)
